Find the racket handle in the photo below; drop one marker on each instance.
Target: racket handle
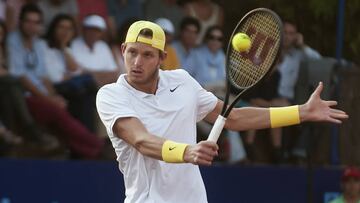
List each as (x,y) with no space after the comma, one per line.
(217,128)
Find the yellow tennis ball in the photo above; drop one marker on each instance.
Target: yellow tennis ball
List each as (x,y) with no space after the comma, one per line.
(241,42)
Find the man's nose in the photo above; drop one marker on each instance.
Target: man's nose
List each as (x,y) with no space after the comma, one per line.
(138,60)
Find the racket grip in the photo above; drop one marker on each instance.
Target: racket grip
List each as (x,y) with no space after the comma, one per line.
(217,128)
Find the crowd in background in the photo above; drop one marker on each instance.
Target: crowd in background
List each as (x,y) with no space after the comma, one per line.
(55,54)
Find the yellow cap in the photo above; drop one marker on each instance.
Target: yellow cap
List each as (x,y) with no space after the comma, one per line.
(158,39)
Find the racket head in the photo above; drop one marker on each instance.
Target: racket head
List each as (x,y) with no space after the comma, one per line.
(245,69)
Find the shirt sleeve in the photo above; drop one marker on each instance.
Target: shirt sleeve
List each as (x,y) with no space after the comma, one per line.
(40,53)
(311,53)
(111,106)
(15,54)
(206,101)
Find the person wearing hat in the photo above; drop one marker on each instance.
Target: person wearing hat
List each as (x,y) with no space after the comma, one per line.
(171,61)
(350,184)
(151,115)
(92,53)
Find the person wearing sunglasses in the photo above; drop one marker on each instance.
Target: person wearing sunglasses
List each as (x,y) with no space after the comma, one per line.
(210,68)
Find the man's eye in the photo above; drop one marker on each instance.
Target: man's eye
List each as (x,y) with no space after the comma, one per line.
(148,55)
(132,52)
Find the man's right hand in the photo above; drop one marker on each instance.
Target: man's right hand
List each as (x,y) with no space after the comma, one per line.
(58,101)
(202,153)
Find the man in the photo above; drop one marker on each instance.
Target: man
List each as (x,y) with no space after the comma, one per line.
(26,62)
(92,53)
(150,114)
(185,46)
(294,51)
(350,184)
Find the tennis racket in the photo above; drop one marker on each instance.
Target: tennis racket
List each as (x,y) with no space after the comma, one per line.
(245,69)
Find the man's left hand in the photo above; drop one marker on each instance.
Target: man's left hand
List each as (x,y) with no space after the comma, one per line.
(316,109)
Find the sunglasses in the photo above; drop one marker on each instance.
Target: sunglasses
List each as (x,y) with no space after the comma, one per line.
(217,38)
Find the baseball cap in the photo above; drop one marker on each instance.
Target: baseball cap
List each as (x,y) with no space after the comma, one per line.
(158,35)
(351,172)
(94,21)
(166,25)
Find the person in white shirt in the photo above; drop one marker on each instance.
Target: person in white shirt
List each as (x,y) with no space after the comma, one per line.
(294,51)
(150,116)
(75,85)
(92,53)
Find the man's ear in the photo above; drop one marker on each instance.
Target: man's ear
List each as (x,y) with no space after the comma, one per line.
(163,55)
(123,47)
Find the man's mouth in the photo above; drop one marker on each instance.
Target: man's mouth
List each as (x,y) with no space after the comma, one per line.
(136,72)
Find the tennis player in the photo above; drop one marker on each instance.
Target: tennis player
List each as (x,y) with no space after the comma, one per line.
(151,116)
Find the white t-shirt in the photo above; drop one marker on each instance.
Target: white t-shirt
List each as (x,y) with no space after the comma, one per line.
(168,114)
(99,58)
(55,64)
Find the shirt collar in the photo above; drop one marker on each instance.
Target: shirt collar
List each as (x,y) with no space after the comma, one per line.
(162,84)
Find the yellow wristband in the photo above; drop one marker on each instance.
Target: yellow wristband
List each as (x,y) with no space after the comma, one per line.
(173,152)
(284,116)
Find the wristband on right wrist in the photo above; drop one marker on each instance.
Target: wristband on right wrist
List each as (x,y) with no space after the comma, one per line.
(173,152)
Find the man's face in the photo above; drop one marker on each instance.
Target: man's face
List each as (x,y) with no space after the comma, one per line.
(64,31)
(215,40)
(189,36)
(142,62)
(352,187)
(290,35)
(92,35)
(31,24)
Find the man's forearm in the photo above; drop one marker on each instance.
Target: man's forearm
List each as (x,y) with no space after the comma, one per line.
(29,86)
(248,118)
(134,133)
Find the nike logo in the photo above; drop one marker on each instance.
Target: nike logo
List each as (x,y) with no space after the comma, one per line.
(171,148)
(172,90)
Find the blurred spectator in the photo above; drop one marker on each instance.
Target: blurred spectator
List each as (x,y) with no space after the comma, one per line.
(154,9)
(97,7)
(13,11)
(171,61)
(78,88)
(52,8)
(210,69)
(25,51)
(293,52)
(266,95)
(185,46)
(93,54)
(350,184)
(13,110)
(208,14)
(6,136)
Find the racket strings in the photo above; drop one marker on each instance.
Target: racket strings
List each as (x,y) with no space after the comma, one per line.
(246,69)
(253,75)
